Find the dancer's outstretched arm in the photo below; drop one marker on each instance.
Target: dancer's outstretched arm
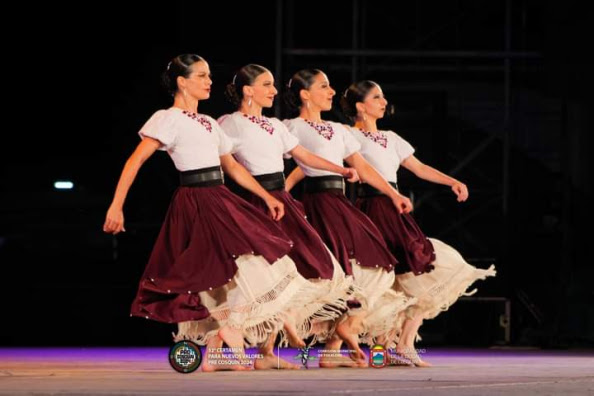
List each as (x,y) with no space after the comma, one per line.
(310,159)
(369,175)
(114,220)
(431,174)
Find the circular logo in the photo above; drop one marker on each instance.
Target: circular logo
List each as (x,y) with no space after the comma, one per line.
(185,357)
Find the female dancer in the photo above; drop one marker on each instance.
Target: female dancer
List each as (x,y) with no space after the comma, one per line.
(219,267)
(350,235)
(259,145)
(433,272)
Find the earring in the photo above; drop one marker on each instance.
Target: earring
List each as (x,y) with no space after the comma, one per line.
(307,104)
(364,118)
(250,102)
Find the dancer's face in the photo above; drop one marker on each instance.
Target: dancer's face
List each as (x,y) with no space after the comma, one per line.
(319,95)
(262,91)
(374,105)
(197,84)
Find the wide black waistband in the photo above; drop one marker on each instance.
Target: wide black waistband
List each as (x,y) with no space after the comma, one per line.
(205,177)
(366,190)
(272,181)
(323,183)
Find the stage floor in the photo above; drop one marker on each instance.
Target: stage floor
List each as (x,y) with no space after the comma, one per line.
(146,371)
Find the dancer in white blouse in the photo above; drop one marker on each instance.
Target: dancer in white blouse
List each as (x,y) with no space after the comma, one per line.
(350,235)
(433,272)
(259,143)
(219,267)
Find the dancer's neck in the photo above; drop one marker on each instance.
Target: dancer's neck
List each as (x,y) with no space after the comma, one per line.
(367,125)
(311,115)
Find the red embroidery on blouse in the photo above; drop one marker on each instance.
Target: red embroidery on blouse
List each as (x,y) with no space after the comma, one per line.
(378,137)
(200,119)
(262,122)
(324,129)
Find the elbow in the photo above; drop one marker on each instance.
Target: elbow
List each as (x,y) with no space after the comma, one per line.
(364,173)
(304,159)
(229,167)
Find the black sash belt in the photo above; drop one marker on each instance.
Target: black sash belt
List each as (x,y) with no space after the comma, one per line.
(271,181)
(323,183)
(205,177)
(366,190)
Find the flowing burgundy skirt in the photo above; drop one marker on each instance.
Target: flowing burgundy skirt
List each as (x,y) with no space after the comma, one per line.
(205,230)
(347,232)
(309,253)
(405,239)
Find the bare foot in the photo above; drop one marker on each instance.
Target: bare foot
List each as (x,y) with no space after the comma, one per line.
(398,361)
(274,362)
(209,368)
(232,337)
(410,354)
(422,363)
(292,336)
(334,362)
(347,332)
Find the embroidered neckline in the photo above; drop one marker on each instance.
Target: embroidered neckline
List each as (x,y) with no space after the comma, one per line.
(323,128)
(199,118)
(262,122)
(379,137)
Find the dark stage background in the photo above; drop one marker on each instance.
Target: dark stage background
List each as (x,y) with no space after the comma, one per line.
(497,93)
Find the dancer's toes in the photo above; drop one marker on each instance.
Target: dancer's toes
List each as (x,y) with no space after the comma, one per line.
(209,368)
(269,362)
(422,363)
(211,363)
(337,361)
(410,354)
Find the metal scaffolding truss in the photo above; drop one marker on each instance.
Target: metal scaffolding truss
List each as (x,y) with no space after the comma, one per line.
(361,58)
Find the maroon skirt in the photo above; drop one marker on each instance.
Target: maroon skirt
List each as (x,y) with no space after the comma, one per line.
(347,232)
(311,257)
(402,234)
(205,229)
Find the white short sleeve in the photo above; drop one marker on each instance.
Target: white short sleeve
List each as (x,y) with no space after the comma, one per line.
(403,148)
(288,140)
(229,129)
(351,145)
(225,143)
(161,126)
(290,127)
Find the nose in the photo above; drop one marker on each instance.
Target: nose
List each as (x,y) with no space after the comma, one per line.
(332,91)
(274,90)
